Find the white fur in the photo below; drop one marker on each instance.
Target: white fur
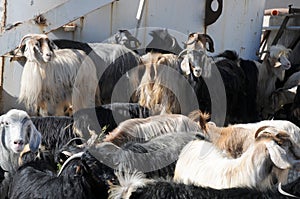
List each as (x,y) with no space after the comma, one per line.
(268,72)
(202,164)
(68,78)
(15,126)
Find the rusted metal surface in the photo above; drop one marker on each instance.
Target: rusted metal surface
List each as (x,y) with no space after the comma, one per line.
(51,20)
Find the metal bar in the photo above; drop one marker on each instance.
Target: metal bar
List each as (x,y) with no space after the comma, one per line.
(281,30)
(278,27)
(54,18)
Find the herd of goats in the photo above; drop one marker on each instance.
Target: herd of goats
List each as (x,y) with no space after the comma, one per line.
(113,120)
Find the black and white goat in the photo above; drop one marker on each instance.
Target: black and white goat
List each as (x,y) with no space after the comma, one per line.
(54,80)
(136,185)
(210,79)
(16,131)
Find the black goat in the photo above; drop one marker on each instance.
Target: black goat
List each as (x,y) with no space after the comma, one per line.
(82,177)
(163,42)
(56,132)
(251,78)
(137,186)
(107,116)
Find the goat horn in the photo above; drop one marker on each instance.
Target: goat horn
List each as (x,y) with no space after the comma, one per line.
(181,53)
(259,130)
(283,192)
(75,156)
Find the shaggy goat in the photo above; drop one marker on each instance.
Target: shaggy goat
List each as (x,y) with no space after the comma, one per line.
(55,79)
(202,164)
(143,129)
(135,185)
(156,157)
(114,62)
(272,68)
(16,130)
(234,140)
(154,92)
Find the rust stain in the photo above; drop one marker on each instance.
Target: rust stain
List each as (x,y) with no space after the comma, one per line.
(4,16)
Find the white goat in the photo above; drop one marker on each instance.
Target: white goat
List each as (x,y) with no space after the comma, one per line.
(273,66)
(234,140)
(202,164)
(55,79)
(16,130)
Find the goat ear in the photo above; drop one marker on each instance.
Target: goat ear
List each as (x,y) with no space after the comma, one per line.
(35,139)
(278,155)
(53,46)
(185,66)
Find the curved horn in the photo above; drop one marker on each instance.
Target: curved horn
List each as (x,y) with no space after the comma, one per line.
(75,156)
(181,53)
(210,43)
(259,130)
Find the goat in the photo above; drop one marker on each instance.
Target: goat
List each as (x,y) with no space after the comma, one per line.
(114,62)
(273,66)
(163,42)
(107,116)
(234,140)
(143,129)
(198,41)
(124,37)
(285,94)
(39,180)
(210,80)
(251,82)
(136,185)
(202,164)
(155,157)
(154,92)
(16,130)
(62,78)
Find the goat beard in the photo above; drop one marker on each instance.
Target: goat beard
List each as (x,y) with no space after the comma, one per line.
(29,92)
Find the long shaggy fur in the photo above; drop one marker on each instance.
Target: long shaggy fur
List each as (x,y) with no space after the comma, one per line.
(143,129)
(69,79)
(201,163)
(152,90)
(113,62)
(137,186)
(156,157)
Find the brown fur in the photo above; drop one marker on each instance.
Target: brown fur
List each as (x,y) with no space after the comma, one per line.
(142,129)
(152,94)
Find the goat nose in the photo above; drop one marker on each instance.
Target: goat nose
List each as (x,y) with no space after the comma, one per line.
(19,142)
(49,54)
